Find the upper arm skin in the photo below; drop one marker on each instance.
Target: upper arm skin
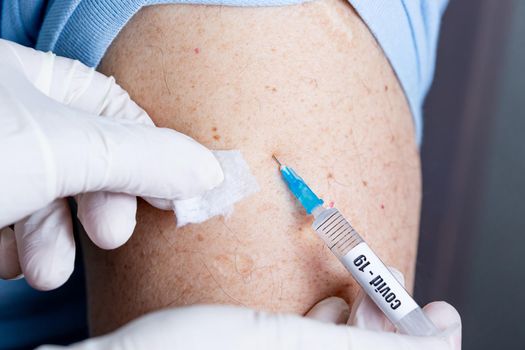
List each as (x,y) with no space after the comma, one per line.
(306,82)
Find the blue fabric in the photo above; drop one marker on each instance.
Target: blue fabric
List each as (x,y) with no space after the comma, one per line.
(407,30)
(29,318)
(20,21)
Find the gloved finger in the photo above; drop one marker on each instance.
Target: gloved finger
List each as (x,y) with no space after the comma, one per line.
(9,266)
(224,328)
(83,88)
(365,313)
(72,83)
(46,247)
(447,319)
(99,154)
(238,328)
(330,310)
(108,218)
(23,59)
(159,203)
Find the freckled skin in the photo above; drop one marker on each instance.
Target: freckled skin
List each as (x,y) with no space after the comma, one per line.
(306,82)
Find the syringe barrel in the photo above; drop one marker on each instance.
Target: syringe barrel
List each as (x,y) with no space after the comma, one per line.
(416,323)
(371,273)
(335,231)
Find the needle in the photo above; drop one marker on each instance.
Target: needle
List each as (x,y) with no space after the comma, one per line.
(277,160)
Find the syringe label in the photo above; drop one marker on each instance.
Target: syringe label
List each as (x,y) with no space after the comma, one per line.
(378,282)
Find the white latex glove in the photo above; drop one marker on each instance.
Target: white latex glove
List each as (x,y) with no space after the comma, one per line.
(67,130)
(232,328)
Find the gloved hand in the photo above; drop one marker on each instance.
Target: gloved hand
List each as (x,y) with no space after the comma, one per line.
(67,130)
(232,328)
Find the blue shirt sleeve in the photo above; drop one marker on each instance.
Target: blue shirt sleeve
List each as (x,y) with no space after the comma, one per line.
(407,30)
(20,21)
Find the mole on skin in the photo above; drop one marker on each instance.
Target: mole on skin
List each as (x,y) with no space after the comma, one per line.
(216,137)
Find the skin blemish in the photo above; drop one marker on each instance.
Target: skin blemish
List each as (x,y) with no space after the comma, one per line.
(200,238)
(386,87)
(330,176)
(196,50)
(223,258)
(216,137)
(365,183)
(382,206)
(243,264)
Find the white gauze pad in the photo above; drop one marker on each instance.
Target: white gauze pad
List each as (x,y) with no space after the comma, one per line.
(238,183)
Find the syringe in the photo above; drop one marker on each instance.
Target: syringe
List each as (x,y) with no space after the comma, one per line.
(364,265)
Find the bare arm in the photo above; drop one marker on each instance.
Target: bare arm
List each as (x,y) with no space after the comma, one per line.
(307,82)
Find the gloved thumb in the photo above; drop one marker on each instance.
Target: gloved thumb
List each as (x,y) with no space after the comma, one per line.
(446,318)
(330,310)
(103,154)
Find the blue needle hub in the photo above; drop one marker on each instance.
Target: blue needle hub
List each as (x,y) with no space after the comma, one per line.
(300,189)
